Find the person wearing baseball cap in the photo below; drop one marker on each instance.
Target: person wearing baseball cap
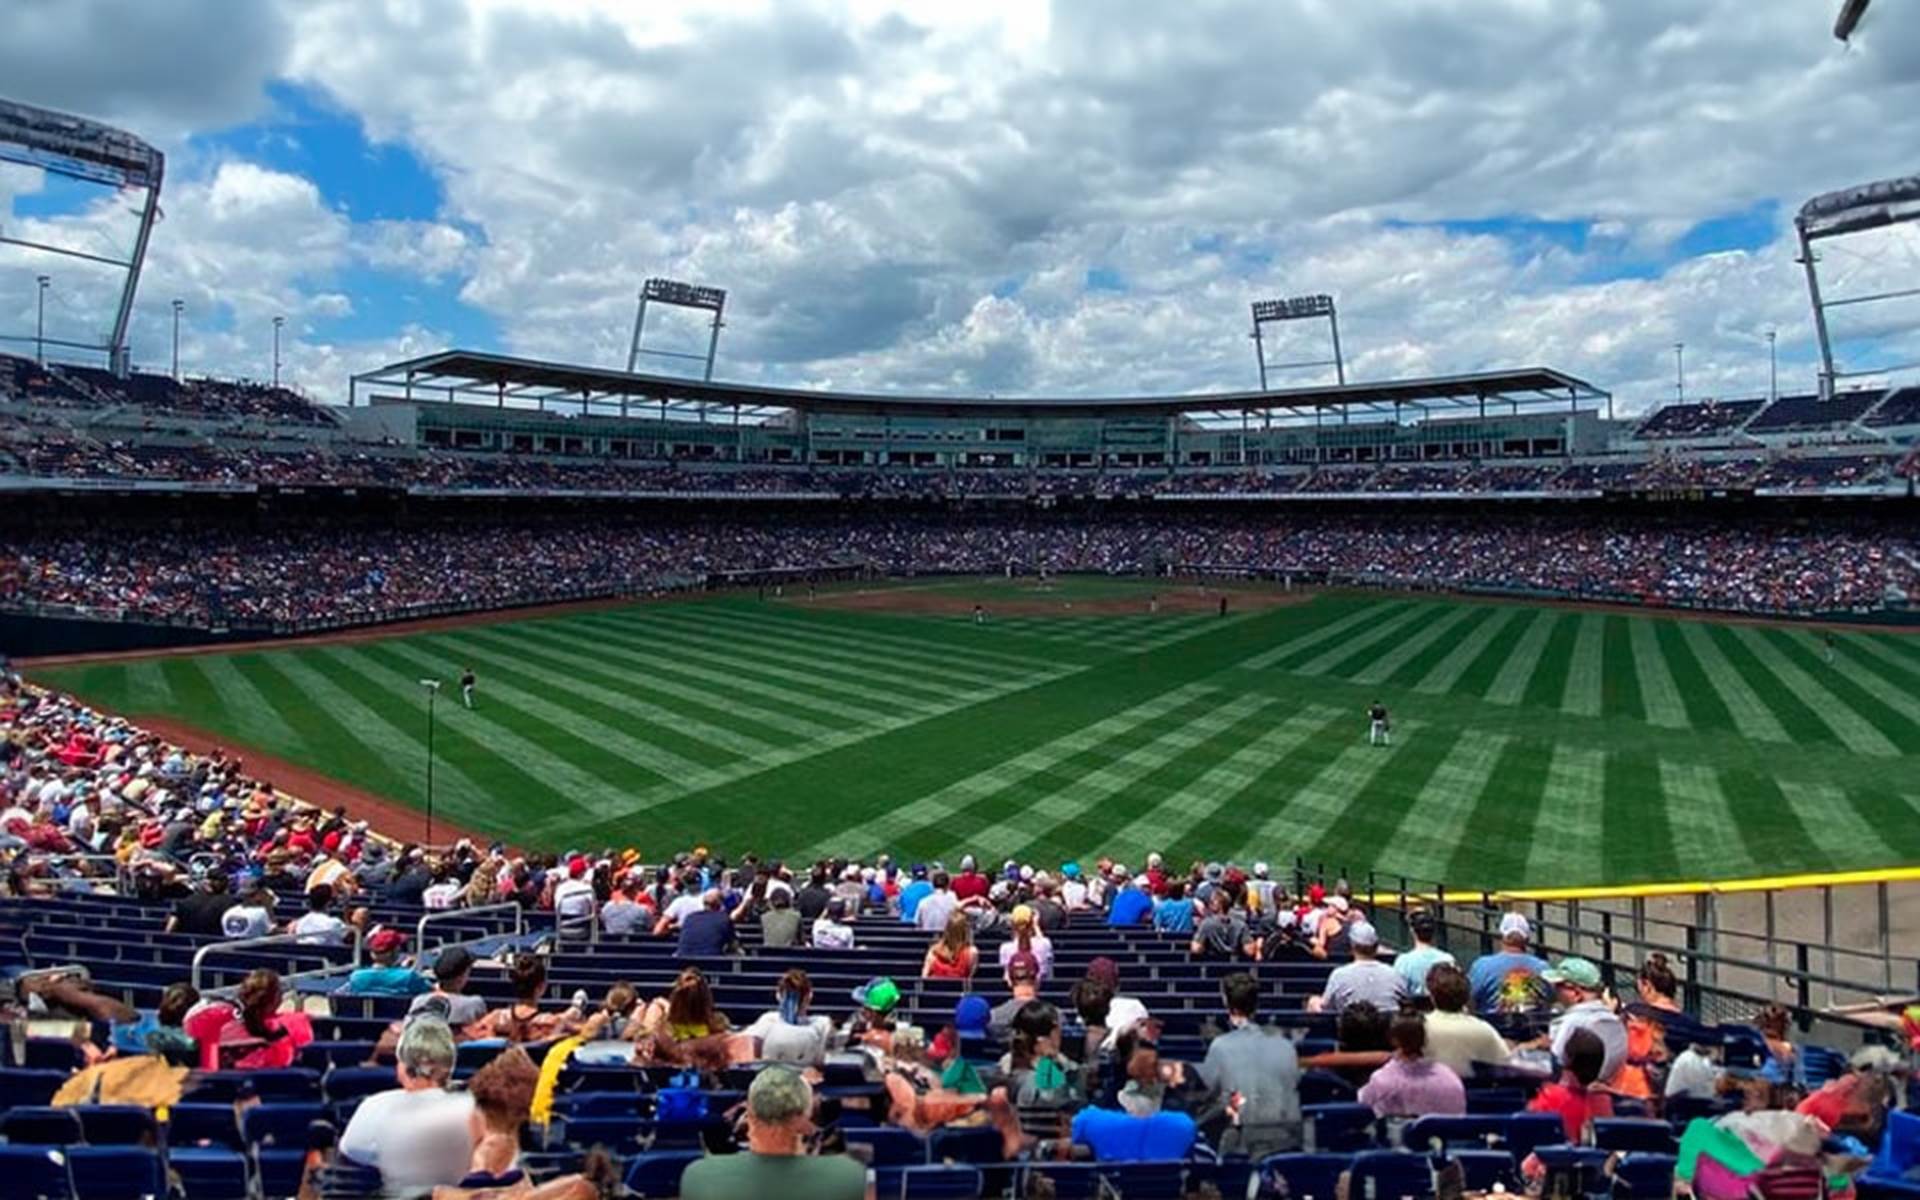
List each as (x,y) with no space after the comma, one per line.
(1578,985)
(1365,978)
(1512,979)
(1023,980)
(387,976)
(878,998)
(776,1163)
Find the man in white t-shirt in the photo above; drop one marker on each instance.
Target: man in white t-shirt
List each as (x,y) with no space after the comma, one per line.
(678,909)
(417,1136)
(831,931)
(573,898)
(252,917)
(317,926)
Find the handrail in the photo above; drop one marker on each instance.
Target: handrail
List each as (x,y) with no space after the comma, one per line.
(272,939)
(420,930)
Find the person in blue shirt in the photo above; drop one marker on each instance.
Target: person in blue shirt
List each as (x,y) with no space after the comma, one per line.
(1511,980)
(387,976)
(1174,914)
(1131,905)
(1138,1131)
(912,894)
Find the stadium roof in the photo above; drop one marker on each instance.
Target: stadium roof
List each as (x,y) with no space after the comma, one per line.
(476,377)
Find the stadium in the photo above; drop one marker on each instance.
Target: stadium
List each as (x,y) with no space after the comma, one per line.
(497,646)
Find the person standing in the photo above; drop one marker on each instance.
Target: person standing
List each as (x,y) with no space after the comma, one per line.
(467,682)
(1380,726)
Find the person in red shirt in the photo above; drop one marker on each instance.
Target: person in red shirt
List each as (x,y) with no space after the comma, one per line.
(1576,1096)
(970,884)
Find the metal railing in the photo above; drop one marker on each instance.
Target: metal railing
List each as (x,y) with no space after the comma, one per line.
(449,914)
(276,939)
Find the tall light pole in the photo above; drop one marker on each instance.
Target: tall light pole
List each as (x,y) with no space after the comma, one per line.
(40,321)
(1680,372)
(177,306)
(1773,365)
(277,323)
(432,687)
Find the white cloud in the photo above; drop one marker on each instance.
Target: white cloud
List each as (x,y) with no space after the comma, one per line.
(865,177)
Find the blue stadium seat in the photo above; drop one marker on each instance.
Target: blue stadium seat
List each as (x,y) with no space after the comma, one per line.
(191,1125)
(1390,1175)
(41,1126)
(1147,1180)
(117,1173)
(890,1146)
(211,1172)
(973,1145)
(618,1134)
(20,1086)
(1646,1136)
(658,1172)
(1071,1181)
(344,1179)
(34,1173)
(1526,1132)
(1643,1176)
(352,1083)
(1423,1133)
(223,1087)
(1306,1176)
(1324,1087)
(1338,1128)
(118,1125)
(1495,1101)
(53,1054)
(949,1181)
(1481,1169)
(277,1136)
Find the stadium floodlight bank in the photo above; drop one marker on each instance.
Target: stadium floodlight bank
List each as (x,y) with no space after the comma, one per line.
(1887,204)
(1297,308)
(678,295)
(76,148)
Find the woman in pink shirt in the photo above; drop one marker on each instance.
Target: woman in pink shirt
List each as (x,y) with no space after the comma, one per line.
(1411,1084)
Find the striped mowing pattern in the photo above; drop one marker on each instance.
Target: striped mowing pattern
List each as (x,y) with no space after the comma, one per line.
(1532,746)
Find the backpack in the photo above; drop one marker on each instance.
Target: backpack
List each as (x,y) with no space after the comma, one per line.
(681,1102)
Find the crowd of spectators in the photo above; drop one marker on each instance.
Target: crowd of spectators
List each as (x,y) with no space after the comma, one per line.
(1703,420)
(1096,1080)
(67,385)
(368,572)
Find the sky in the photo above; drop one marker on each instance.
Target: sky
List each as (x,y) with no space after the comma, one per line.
(1007,198)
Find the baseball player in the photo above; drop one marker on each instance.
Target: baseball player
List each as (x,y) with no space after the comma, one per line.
(1380,727)
(467,682)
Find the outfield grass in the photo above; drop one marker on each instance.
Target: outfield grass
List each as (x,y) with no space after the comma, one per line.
(1531,745)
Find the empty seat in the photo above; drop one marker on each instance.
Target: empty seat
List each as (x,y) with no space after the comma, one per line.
(117,1173)
(211,1172)
(38,1125)
(1147,1180)
(277,1136)
(948,1181)
(1643,1176)
(1633,1133)
(1339,1127)
(1306,1176)
(1526,1132)
(118,1125)
(1390,1175)
(20,1086)
(34,1173)
(1480,1170)
(1428,1133)
(657,1173)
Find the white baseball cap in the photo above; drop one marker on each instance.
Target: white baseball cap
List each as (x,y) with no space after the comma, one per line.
(1514,925)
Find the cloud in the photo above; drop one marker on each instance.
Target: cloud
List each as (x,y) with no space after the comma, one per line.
(940,196)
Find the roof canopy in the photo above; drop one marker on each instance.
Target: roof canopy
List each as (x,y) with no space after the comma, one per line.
(1868,206)
(476,377)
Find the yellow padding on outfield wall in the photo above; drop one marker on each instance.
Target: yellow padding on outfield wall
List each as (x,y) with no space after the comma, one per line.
(1765,883)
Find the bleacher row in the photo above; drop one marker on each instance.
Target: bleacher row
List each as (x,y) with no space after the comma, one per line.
(216,1153)
(1875,408)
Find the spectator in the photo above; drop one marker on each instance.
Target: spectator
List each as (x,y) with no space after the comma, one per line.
(1137,1131)
(708,933)
(251,916)
(317,926)
(200,912)
(970,884)
(911,895)
(1023,981)
(930,915)
(1783,1065)
(811,901)
(1174,913)
(777,1162)
(523,1020)
(1456,1038)
(451,970)
(416,1136)
(954,956)
(1414,964)
(1222,935)
(443,891)
(623,913)
(1252,1077)
(387,976)
(788,1034)
(1411,1084)
(1365,978)
(780,924)
(1576,1096)
(1646,1063)
(1511,980)
(831,931)
(1124,1012)
(251,1034)
(1578,984)
(573,897)
(1694,1074)
(1027,939)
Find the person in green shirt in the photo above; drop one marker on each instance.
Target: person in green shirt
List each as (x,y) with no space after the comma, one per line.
(776,1162)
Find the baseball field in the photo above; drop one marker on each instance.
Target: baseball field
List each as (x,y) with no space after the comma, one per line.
(1531,745)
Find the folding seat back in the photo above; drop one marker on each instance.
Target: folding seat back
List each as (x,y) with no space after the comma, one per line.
(118,1125)
(657,1173)
(1306,1176)
(117,1173)
(1147,1180)
(1339,1128)
(949,1181)
(1390,1175)
(1643,1176)
(34,1173)
(1633,1134)
(41,1126)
